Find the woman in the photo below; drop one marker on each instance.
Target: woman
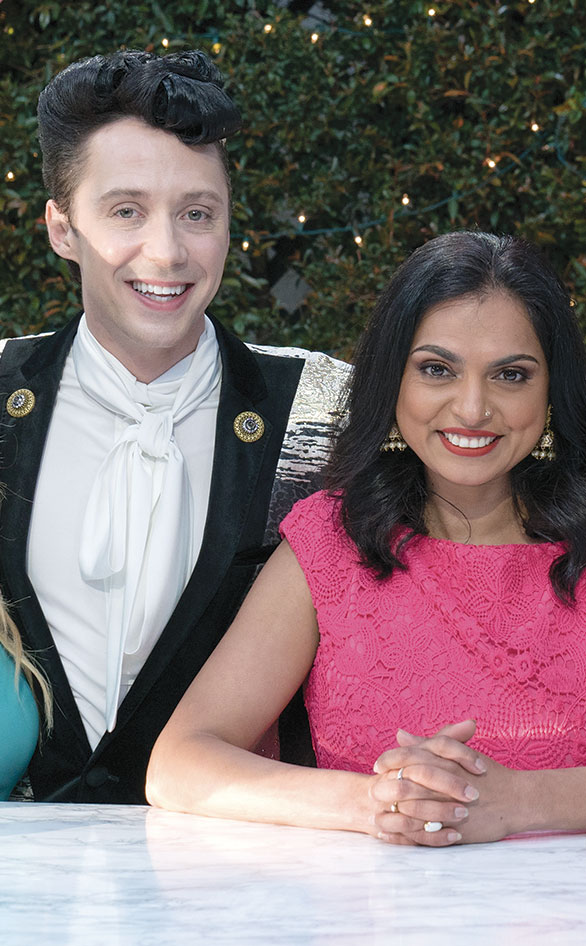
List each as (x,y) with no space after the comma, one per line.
(19,716)
(441,577)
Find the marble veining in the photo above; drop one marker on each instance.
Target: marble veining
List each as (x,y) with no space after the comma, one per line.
(119,876)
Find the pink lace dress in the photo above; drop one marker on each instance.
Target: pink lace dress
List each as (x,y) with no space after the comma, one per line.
(467,631)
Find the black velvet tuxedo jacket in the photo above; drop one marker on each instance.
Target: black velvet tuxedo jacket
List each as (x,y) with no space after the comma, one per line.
(253,486)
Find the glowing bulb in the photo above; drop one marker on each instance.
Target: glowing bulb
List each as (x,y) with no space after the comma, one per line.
(10,176)
(405,200)
(268,27)
(314,37)
(216,48)
(367,20)
(358,239)
(35,154)
(431,12)
(531,1)
(165,42)
(245,245)
(302,218)
(534,126)
(491,163)
(10,31)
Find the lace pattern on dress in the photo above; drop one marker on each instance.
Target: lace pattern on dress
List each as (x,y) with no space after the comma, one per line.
(467,631)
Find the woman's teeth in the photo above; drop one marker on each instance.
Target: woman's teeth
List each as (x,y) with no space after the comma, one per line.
(472,443)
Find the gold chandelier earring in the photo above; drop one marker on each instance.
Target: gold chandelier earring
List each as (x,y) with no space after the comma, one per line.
(394,440)
(544,449)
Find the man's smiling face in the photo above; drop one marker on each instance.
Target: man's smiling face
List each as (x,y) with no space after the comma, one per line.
(149,228)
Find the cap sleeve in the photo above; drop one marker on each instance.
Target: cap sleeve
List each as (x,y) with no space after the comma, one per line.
(321,546)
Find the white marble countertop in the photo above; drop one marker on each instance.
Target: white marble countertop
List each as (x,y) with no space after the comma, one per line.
(119,876)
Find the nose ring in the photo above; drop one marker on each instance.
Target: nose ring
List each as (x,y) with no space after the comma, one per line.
(487,413)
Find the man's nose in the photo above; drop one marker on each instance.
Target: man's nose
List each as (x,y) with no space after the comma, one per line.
(164,244)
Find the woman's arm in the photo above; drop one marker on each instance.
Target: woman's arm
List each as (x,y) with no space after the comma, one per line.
(201,762)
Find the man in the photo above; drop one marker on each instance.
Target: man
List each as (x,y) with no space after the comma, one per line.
(148,455)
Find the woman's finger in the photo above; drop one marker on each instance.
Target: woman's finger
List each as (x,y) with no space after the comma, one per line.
(410,816)
(449,782)
(442,838)
(462,731)
(443,747)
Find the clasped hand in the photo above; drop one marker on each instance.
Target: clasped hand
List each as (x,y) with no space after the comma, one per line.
(443,782)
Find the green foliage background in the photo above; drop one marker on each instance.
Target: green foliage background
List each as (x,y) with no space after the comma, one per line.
(339,130)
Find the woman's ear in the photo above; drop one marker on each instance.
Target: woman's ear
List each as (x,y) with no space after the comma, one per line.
(62,235)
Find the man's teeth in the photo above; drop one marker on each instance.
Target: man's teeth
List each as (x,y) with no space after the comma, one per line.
(472,443)
(152,290)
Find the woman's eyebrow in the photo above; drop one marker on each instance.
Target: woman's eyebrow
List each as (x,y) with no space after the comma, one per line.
(448,355)
(440,352)
(512,358)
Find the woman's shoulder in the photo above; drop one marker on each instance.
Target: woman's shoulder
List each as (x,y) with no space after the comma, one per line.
(320,507)
(315,531)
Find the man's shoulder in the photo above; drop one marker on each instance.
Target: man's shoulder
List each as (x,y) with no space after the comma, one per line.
(23,338)
(39,352)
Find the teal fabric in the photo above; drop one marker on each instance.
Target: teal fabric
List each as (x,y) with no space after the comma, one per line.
(19,726)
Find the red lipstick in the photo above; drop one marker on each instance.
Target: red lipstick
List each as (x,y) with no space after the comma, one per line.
(469,452)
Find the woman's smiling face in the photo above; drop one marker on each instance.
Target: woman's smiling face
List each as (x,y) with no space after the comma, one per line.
(473,396)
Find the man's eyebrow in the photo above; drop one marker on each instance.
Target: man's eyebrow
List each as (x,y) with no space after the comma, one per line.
(455,359)
(132,193)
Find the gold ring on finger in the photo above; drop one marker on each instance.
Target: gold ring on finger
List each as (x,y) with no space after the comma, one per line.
(431,826)
(394,807)
(400,773)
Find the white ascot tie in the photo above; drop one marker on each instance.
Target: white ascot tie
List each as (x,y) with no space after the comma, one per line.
(137,534)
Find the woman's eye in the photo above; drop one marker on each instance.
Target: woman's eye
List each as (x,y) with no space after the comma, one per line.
(435,370)
(512,374)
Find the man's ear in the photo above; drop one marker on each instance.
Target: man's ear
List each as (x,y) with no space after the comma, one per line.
(62,236)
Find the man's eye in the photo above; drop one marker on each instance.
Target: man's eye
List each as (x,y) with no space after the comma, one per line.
(196,215)
(125,212)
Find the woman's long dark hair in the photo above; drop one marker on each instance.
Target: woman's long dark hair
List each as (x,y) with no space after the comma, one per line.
(380,491)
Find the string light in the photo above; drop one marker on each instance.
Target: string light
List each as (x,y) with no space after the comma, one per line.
(314,37)
(405,200)
(534,126)
(245,245)
(432,11)
(531,1)
(302,218)
(491,162)
(268,27)
(367,20)
(358,239)
(216,48)
(10,176)
(165,42)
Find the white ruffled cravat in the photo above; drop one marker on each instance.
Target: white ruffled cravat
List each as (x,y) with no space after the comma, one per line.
(137,534)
